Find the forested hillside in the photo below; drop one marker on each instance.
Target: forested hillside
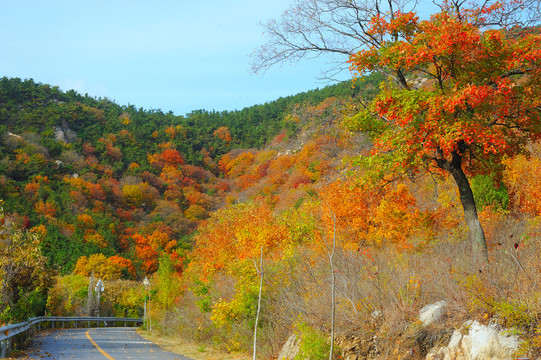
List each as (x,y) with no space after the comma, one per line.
(331,218)
(119,187)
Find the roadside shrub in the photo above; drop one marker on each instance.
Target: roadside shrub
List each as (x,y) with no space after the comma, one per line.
(314,344)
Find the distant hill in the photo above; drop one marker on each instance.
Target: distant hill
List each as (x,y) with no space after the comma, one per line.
(97,177)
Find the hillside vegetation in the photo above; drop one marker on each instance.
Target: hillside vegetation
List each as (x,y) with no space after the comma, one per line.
(112,189)
(339,211)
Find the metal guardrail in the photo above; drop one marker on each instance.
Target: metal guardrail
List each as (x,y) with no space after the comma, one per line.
(8,332)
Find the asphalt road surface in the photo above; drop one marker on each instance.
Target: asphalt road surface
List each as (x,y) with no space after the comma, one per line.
(96,343)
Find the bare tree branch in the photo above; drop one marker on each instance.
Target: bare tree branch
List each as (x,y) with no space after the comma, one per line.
(310,28)
(339,28)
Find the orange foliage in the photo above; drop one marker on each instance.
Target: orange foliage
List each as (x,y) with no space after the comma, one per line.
(398,221)
(90,190)
(31,188)
(85,221)
(148,248)
(40,230)
(45,208)
(234,166)
(172,157)
(166,145)
(133,167)
(522,177)
(124,215)
(66,229)
(234,234)
(99,207)
(123,263)
(114,153)
(299,177)
(374,217)
(160,240)
(352,206)
(173,131)
(168,157)
(41,179)
(149,257)
(223,133)
(492,219)
(193,196)
(156,161)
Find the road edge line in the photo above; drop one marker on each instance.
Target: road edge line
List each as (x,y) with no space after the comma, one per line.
(98,347)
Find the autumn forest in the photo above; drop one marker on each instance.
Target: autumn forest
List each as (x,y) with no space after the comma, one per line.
(416,181)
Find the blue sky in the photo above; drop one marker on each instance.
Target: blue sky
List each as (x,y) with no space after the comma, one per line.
(162,54)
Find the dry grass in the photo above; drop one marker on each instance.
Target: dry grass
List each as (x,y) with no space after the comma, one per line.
(189,348)
(379,297)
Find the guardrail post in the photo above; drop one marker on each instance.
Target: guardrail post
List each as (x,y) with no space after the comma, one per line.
(6,348)
(3,345)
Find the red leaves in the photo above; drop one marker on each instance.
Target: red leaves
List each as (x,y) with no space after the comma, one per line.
(467,95)
(172,157)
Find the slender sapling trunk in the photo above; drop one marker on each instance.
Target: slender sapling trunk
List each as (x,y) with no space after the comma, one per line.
(260,271)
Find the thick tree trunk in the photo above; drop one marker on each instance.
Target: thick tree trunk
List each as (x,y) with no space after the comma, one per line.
(476,233)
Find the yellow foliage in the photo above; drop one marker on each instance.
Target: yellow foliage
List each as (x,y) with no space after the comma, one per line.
(45,208)
(124,118)
(522,175)
(68,296)
(98,264)
(39,230)
(97,239)
(85,221)
(195,212)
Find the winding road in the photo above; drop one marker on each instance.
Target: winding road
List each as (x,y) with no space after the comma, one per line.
(96,343)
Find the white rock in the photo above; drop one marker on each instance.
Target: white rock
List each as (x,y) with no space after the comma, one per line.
(433,313)
(477,342)
(290,349)
(15,135)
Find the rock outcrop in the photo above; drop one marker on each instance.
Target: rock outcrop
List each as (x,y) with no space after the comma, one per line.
(353,346)
(475,341)
(290,349)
